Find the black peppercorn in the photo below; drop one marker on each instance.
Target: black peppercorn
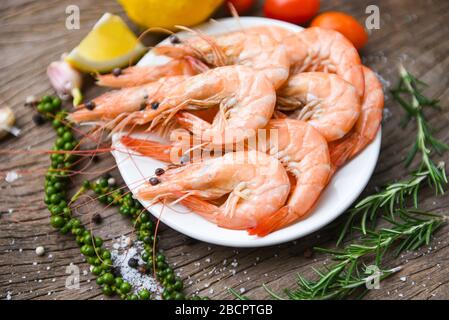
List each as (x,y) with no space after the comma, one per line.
(38,119)
(133,262)
(97,218)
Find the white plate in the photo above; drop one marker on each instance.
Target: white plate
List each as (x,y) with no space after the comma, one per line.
(341,192)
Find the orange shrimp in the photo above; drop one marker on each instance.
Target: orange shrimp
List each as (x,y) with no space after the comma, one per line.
(299,147)
(246,101)
(116,104)
(258,51)
(318,49)
(326,101)
(140,75)
(256,183)
(366,127)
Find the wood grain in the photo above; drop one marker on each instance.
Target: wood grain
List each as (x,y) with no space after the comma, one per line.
(33,33)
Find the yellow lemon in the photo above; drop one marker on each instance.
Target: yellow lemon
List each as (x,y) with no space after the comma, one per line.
(168,13)
(110,44)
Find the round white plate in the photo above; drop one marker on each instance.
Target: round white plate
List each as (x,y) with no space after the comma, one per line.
(341,192)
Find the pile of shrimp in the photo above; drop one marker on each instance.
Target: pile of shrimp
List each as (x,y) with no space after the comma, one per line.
(276,112)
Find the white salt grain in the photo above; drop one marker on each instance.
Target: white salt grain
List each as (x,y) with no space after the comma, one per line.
(12,176)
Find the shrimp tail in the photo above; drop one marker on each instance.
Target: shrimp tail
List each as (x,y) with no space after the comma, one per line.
(201,207)
(341,150)
(275,221)
(148,148)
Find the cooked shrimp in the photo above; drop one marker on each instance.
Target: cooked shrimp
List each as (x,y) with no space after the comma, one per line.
(140,75)
(258,51)
(366,126)
(115,104)
(318,49)
(304,153)
(256,183)
(326,101)
(246,101)
(299,147)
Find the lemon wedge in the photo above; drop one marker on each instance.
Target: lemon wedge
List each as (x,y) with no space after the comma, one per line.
(110,44)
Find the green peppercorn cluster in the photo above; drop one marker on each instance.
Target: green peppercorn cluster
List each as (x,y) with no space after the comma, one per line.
(141,220)
(56,181)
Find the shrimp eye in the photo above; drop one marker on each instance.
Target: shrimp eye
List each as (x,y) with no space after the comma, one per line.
(174,39)
(90,105)
(117,71)
(154,181)
(159,171)
(184,159)
(154,105)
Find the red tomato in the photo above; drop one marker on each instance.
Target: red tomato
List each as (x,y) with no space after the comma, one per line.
(242,6)
(344,24)
(294,11)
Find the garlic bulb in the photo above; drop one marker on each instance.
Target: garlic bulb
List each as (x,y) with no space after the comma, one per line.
(65,80)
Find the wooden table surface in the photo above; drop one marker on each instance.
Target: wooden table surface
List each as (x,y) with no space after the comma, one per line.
(33,33)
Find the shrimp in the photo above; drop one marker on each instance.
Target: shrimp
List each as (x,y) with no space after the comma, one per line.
(318,49)
(299,147)
(246,101)
(256,183)
(304,153)
(258,51)
(116,104)
(140,75)
(326,101)
(366,126)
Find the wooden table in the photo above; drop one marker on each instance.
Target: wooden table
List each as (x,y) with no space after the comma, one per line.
(33,33)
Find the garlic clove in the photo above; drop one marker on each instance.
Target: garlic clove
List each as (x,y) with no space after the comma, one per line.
(7,120)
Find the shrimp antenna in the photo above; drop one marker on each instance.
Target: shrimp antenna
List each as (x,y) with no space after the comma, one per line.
(236,16)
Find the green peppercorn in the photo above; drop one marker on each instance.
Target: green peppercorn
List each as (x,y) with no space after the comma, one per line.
(107,290)
(87,239)
(166,295)
(55,198)
(125,287)
(178,285)
(98,242)
(179,296)
(96,270)
(144,294)
(106,255)
(87,250)
(60,131)
(118,282)
(108,278)
(57,221)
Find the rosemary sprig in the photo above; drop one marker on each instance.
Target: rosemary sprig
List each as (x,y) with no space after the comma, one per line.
(425,142)
(394,196)
(349,274)
(389,199)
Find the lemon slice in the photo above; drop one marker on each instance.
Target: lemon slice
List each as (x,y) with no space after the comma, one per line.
(110,44)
